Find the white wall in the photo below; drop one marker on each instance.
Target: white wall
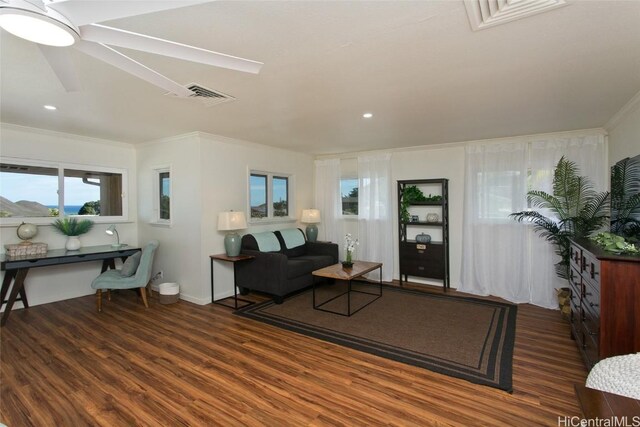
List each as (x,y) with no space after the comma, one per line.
(48,284)
(624,132)
(209,174)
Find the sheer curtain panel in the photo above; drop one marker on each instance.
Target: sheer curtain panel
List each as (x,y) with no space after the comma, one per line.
(502,257)
(328,199)
(375,212)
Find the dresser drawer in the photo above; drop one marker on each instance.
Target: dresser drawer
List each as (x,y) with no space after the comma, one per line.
(591,269)
(591,297)
(418,251)
(575,257)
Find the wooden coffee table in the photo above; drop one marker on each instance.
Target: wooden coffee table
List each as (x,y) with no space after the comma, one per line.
(338,272)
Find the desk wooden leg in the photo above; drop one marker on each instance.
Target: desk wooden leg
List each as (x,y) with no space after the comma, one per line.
(6,282)
(99,300)
(18,284)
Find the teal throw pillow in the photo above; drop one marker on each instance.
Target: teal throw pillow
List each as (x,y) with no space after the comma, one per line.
(130,266)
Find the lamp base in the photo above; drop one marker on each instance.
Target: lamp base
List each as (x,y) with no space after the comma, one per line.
(312,232)
(232,244)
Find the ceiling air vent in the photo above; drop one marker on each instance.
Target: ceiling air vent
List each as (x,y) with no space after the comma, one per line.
(488,13)
(208,96)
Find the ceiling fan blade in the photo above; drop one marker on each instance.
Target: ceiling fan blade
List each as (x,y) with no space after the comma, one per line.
(127,39)
(82,12)
(119,60)
(60,61)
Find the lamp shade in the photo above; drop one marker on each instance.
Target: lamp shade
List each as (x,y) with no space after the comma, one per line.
(111,230)
(310,216)
(232,220)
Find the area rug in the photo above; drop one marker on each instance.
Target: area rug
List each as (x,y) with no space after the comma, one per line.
(466,338)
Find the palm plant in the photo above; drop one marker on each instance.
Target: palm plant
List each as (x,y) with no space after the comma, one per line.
(72,226)
(625,198)
(576,209)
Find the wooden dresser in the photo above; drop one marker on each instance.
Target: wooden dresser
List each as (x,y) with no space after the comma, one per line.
(605,302)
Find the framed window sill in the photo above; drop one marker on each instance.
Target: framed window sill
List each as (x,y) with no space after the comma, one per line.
(271,221)
(160,224)
(46,221)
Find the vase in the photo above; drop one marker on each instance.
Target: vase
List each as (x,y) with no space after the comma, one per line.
(73,243)
(348,262)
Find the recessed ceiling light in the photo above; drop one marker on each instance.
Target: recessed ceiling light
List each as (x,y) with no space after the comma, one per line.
(50,107)
(367,115)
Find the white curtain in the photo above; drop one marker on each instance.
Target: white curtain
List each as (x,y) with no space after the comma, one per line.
(375,213)
(494,258)
(328,199)
(500,256)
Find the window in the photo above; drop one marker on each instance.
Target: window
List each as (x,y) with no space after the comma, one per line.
(269,195)
(496,194)
(349,195)
(162,195)
(92,193)
(28,191)
(32,190)
(280,196)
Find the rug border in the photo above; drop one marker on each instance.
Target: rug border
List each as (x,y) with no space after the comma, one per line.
(508,314)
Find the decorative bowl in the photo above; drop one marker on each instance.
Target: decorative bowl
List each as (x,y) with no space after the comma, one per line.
(423,238)
(433,217)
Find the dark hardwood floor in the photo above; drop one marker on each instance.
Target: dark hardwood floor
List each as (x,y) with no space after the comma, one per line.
(65,364)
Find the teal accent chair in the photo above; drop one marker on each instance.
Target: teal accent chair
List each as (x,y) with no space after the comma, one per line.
(113,279)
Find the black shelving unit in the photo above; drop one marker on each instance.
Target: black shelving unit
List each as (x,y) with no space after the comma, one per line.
(428,260)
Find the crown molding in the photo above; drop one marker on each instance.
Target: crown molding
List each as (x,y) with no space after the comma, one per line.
(620,115)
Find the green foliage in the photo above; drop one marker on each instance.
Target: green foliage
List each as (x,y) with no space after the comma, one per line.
(350,202)
(625,198)
(578,211)
(412,194)
(4,214)
(614,243)
(90,208)
(54,212)
(72,226)
(165,207)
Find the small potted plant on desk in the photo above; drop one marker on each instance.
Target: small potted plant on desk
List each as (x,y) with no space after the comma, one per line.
(73,228)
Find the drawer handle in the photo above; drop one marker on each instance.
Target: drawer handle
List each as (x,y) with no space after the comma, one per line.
(593,304)
(420,268)
(589,331)
(593,271)
(420,252)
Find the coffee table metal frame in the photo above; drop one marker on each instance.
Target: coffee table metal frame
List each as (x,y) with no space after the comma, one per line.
(338,272)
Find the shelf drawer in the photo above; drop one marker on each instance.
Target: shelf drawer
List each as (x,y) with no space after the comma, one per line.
(421,251)
(591,298)
(422,268)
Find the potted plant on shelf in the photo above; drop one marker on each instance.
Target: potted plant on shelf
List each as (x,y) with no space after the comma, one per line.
(73,228)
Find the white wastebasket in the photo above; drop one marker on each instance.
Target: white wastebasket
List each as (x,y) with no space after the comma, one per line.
(169,293)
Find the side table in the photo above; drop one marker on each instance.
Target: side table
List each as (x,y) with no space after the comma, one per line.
(234,260)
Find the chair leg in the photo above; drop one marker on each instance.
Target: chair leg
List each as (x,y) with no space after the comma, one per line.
(143,292)
(99,299)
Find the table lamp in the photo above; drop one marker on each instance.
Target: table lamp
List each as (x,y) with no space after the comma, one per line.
(111,231)
(311,217)
(232,221)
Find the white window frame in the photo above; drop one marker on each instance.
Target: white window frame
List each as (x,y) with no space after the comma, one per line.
(156,220)
(14,221)
(290,199)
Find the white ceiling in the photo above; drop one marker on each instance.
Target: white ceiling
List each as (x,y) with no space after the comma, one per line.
(418,66)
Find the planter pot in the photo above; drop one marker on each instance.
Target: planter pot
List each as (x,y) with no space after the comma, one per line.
(73,243)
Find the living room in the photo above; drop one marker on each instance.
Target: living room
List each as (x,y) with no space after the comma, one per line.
(591,90)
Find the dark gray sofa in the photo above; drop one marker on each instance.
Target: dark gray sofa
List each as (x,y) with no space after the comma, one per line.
(284,264)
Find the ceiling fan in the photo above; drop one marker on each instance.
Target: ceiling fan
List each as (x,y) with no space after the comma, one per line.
(54,24)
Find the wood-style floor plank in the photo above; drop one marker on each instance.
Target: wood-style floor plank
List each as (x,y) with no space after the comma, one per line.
(65,364)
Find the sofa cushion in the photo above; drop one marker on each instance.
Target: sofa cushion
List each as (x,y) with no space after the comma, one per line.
(298,267)
(319,261)
(292,242)
(263,242)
